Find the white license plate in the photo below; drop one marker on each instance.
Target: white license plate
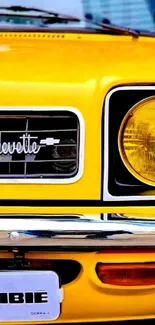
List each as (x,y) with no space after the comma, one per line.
(29,296)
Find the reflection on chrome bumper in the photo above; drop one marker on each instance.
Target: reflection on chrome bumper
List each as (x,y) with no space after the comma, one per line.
(75,232)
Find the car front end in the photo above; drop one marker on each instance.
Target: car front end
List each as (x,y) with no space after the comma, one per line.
(77,176)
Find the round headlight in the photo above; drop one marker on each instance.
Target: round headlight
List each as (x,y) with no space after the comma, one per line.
(136,140)
(65,152)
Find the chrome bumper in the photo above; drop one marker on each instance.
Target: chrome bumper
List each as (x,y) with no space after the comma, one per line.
(74,233)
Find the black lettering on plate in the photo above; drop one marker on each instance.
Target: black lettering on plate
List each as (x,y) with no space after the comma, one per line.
(3,298)
(41,297)
(29,297)
(16,298)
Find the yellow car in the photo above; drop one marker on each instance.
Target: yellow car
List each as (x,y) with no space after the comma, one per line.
(77,161)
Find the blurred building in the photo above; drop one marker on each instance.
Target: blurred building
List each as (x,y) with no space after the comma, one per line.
(131,13)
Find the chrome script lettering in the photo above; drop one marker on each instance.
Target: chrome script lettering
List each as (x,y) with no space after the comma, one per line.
(27,145)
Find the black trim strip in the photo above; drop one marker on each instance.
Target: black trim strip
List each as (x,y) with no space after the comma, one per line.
(75,203)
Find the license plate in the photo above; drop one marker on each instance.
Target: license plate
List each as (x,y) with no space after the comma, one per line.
(29,296)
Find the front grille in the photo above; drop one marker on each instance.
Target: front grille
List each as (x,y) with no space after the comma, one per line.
(39,144)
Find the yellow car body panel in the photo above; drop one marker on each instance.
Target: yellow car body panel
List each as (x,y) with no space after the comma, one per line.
(74,70)
(129,211)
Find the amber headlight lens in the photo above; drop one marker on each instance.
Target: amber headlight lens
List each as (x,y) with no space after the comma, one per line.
(136,141)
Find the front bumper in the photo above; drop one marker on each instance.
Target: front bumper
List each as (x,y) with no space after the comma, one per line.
(87,241)
(76,232)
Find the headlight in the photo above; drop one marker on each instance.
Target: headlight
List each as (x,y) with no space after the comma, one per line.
(66,155)
(136,140)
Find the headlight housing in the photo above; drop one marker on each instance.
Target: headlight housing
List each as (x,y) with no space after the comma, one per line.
(136,140)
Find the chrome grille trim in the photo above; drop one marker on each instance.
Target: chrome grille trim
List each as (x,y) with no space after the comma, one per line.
(80,156)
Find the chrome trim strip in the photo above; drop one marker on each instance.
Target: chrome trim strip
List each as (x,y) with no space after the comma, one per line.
(74,233)
(68,180)
(106,195)
(133,217)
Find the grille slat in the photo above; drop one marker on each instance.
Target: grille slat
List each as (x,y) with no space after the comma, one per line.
(39,145)
(38,161)
(40,131)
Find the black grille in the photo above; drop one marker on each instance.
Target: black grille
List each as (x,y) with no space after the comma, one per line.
(67,270)
(37,156)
